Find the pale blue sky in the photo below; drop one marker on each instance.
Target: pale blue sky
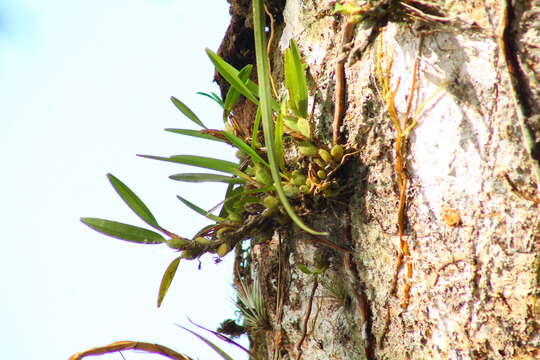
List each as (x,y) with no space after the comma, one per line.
(85,86)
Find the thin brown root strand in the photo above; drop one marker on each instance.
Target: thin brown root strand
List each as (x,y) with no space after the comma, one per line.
(414,87)
(406,296)
(419,13)
(340,92)
(306,319)
(402,182)
(269,48)
(280,300)
(403,127)
(321,240)
(386,326)
(399,263)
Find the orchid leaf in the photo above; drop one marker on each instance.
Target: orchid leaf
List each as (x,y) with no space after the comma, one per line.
(316,271)
(295,80)
(215,97)
(200,161)
(197,177)
(240,144)
(291,123)
(250,90)
(223,212)
(233,95)
(278,134)
(194,133)
(230,74)
(123,231)
(256,127)
(304,128)
(187,111)
(167,279)
(200,210)
(133,201)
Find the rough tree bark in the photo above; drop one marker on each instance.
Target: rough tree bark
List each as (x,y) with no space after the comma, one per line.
(463,281)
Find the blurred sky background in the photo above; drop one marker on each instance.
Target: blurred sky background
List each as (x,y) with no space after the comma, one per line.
(85,86)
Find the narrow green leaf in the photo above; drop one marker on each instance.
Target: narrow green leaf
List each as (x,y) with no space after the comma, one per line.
(230,74)
(261,190)
(295,80)
(301,81)
(197,177)
(233,95)
(240,144)
(223,212)
(289,83)
(200,161)
(278,134)
(316,271)
(123,231)
(304,128)
(231,99)
(200,210)
(303,268)
(338,7)
(214,97)
(167,279)
(238,195)
(250,90)
(133,201)
(194,133)
(256,126)
(291,123)
(234,197)
(217,349)
(187,111)
(263,71)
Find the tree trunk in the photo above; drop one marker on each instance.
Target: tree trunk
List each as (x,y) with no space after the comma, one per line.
(439,260)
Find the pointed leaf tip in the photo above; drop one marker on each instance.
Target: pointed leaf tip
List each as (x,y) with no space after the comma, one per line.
(187,111)
(133,201)
(200,161)
(196,177)
(200,210)
(231,75)
(194,133)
